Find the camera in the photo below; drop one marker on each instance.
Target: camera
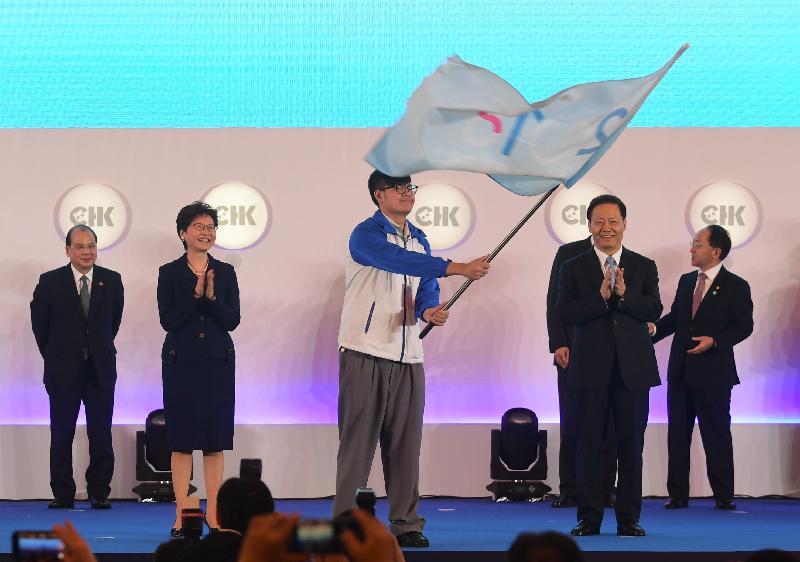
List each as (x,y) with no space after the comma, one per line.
(36,546)
(322,536)
(250,469)
(192,523)
(365,499)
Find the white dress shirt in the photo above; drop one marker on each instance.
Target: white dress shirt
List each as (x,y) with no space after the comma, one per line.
(711,274)
(602,257)
(77,275)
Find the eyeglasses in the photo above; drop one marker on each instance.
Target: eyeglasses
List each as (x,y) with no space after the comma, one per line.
(81,247)
(403,189)
(201,227)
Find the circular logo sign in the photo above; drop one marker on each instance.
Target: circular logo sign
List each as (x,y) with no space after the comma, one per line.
(727,204)
(243,213)
(444,213)
(98,206)
(566,213)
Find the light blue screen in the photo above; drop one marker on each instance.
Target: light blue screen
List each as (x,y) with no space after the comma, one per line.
(354,63)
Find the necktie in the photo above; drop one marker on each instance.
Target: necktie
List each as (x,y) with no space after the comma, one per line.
(698,292)
(85,295)
(611,265)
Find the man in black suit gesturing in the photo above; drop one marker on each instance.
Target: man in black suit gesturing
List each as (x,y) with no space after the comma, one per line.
(711,313)
(560,340)
(75,314)
(608,294)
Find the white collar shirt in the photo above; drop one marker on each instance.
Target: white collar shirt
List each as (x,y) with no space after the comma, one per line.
(711,274)
(77,276)
(602,256)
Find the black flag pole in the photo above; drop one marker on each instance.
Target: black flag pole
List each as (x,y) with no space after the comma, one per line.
(491,256)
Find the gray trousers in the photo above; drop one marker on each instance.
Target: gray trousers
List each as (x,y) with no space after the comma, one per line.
(380,400)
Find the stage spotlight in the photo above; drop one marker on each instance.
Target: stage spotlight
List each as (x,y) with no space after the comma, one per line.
(153,470)
(519,458)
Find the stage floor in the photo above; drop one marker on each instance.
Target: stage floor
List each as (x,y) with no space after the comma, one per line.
(471,529)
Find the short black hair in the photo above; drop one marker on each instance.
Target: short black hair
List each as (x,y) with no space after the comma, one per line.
(378,180)
(528,547)
(719,238)
(191,212)
(607,198)
(771,555)
(241,499)
(79,227)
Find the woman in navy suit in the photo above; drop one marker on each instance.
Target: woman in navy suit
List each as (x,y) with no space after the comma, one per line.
(198,305)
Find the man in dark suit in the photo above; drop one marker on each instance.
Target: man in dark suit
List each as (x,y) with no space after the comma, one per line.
(711,313)
(608,294)
(75,314)
(560,337)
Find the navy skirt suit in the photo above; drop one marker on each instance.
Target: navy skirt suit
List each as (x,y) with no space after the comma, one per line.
(198,359)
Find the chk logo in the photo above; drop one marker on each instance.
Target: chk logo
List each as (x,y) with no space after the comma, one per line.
(98,206)
(566,213)
(445,213)
(243,213)
(727,204)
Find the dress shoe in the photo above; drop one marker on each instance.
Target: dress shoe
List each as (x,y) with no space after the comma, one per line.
(630,529)
(564,501)
(584,529)
(177,533)
(610,500)
(675,503)
(100,503)
(61,504)
(726,504)
(413,539)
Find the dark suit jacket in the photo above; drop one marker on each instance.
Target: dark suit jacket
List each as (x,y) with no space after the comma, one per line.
(197,329)
(603,330)
(725,313)
(559,334)
(63,334)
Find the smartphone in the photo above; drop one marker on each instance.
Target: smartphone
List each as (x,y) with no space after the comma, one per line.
(36,546)
(319,536)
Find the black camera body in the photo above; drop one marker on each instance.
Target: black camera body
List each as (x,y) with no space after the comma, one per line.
(323,536)
(192,523)
(250,469)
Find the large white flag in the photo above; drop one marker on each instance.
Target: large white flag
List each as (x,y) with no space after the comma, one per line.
(463,117)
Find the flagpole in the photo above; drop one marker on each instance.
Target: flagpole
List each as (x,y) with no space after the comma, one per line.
(491,256)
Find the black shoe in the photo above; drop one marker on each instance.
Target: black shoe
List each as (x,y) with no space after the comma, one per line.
(564,501)
(675,503)
(413,539)
(100,503)
(177,533)
(630,529)
(726,504)
(584,529)
(610,500)
(211,530)
(61,504)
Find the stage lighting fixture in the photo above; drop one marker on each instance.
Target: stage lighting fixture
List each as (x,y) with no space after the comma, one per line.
(519,458)
(153,470)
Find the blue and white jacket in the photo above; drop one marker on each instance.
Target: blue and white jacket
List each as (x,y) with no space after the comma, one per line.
(389,282)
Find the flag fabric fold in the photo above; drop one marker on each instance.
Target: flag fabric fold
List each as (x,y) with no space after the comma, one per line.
(464,117)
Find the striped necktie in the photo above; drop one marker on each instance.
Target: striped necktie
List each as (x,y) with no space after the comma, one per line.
(697,297)
(611,265)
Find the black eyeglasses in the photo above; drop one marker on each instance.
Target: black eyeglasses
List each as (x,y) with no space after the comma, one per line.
(403,189)
(201,227)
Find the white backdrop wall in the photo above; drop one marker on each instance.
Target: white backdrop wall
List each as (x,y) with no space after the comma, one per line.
(493,353)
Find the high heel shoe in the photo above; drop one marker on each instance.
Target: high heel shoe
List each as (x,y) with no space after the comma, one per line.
(211,530)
